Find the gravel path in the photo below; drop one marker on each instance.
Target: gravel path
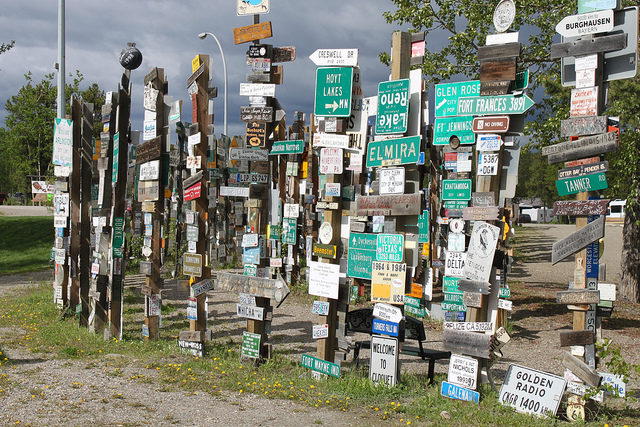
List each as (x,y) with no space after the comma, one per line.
(48,391)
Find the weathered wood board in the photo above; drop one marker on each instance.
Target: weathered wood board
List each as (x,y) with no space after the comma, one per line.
(498,70)
(474,286)
(259,286)
(579,126)
(583,147)
(497,51)
(581,370)
(578,296)
(582,170)
(580,207)
(480,213)
(469,343)
(390,205)
(149,150)
(589,46)
(253,32)
(569,338)
(578,240)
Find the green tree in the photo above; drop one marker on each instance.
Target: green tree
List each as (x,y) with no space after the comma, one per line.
(6,46)
(465,24)
(26,142)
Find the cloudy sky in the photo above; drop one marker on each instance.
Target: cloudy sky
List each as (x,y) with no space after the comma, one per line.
(166,31)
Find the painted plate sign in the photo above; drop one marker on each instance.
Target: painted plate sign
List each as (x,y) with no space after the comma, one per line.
(593,182)
(532,392)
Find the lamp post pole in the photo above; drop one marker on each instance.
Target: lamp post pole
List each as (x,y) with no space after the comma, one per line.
(224,69)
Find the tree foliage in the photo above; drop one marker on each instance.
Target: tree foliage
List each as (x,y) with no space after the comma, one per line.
(26,142)
(6,46)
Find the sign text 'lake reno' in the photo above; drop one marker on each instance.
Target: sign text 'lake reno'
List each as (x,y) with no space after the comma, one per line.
(400,151)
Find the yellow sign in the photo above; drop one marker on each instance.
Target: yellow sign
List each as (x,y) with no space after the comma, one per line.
(195,63)
(506,228)
(416,290)
(388,281)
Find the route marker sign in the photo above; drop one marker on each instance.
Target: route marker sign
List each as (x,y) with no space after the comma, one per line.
(447,95)
(393,107)
(490,105)
(333,91)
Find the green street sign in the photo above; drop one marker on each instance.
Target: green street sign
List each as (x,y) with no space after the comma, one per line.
(289,226)
(250,345)
(390,247)
(320,365)
(456,189)
(448,306)
(450,284)
(393,152)
(333,91)
(362,252)
(251,270)
(447,95)
(416,312)
(456,204)
(423,227)
(446,127)
(118,236)
(489,105)
(116,150)
(585,6)
(521,82)
(504,292)
(455,297)
(287,147)
(592,182)
(411,302)
(393,107)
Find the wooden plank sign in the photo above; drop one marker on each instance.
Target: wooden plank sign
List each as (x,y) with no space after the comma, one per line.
(148,191)
(468,343)
(258,286)
(149,150)
(480,213)
(578,296)
(569,338)
(581,370)
(259,114)
(467,285)
(391,205)
(582,147)
(472,299)
(589,46)
(580,207)
(579,126)
(578,240)
(253,32)
(498,70)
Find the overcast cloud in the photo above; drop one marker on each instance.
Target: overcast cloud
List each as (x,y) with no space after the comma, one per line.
(166,31)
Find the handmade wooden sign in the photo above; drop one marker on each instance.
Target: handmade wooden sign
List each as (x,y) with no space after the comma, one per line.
(256,114)
(578,240)
(579,126)
(468,343)
(578,296)
(480,213)
(531,391)
(149,150)
(581,370)
(148,191)
(569,338)
(467,285)
(580,207)
(258,286)
(497,70)
(606,43)
(472,299)
(469,326)
(390,204)
(253,32)
(256,134)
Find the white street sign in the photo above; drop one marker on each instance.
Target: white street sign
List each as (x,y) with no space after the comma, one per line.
(391,181)
(463,371)
(586,23)
(330,140)
(531,391)
(387,312)
(257,89)
(324,279)
(488,142)
(384,360)
(332,57)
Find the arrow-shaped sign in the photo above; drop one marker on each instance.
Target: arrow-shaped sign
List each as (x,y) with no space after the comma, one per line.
(257,286)
(331,57)
(334,106)
(489,105)
(586,23)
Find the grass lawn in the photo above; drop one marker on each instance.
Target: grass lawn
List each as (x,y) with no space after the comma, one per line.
(25,243)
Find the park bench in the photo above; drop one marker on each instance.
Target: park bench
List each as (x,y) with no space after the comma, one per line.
(361,320)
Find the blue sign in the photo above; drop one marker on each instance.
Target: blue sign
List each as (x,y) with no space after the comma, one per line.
(456,392)
(385,328)
(454,316)
(251,255)
(593,254)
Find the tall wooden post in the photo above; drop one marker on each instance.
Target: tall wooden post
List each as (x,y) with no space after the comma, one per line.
(85,219)
(76,178)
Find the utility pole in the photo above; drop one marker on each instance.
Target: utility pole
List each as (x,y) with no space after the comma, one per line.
(61,87)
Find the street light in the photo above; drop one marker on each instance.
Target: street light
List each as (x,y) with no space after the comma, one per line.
(224,68)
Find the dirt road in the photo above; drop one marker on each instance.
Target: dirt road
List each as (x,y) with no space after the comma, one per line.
(25,210)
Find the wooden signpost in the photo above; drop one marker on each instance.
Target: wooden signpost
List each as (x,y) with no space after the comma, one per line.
(577,241)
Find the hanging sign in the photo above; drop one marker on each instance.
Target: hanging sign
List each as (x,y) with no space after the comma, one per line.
(253,32)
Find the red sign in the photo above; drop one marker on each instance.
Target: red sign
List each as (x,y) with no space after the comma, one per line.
(491,124)
(193,192)
(450,157)
(580,162)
